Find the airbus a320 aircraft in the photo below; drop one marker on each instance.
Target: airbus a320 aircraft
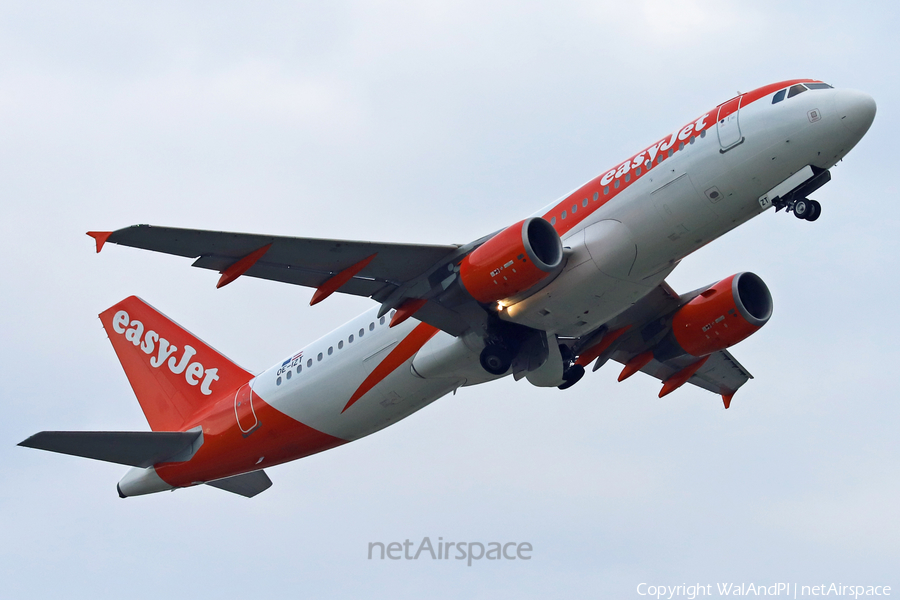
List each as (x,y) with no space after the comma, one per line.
(581,281)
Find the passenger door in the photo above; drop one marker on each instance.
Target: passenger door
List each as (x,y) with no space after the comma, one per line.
(243,409)
(728,124)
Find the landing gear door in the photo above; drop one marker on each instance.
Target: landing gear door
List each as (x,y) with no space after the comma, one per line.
(244,411)
(728,124)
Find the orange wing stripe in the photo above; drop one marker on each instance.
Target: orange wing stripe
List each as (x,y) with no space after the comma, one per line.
(585,358)
(680,378)
(334,283)
(241,266)
(636,364)
(406,310)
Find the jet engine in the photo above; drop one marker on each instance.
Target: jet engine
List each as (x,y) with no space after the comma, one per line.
(719,317)
(517,258)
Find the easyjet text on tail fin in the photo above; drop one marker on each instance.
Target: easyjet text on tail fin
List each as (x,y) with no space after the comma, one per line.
(174,375)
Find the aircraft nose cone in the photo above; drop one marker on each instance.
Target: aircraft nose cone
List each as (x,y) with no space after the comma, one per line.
(856,110)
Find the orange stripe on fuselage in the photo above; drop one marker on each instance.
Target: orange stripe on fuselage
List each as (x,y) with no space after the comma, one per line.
(226,451)
(399,355)
(596,186)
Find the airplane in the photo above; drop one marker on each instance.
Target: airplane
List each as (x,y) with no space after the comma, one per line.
(580,282)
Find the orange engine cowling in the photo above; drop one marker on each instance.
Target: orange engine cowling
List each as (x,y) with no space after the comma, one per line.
(512,261)
(723,315)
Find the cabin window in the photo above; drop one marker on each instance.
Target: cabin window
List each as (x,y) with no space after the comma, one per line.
(350,339)
(616,184)
(319,357)
(574,208)
(309,363)
(778,97)
(278,381)
(584,202)
(362,332)
(563,215)
(381,321)
(596,195)
(553,221)
(606,190)
(288,374)
(627,177)
(796,89)
(637,172)
(299,368)
(330,350)
(340,344)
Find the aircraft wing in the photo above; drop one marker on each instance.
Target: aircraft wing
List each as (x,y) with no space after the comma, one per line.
(301,261)
(385,272)
(720,374)
(640,328)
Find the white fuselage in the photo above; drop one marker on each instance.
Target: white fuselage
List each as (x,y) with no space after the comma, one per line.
(621,250)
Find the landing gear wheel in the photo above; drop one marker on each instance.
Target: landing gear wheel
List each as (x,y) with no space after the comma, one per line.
(495,359)
(572,376)
(815,209)
(802,208)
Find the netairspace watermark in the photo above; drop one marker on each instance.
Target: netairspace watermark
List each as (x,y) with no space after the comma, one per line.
(790,590)
(467,551)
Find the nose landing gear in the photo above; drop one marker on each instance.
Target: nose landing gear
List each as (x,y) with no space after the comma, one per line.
(797,199)
(806,209)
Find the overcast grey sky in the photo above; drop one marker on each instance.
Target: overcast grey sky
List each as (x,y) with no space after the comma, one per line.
(437,122)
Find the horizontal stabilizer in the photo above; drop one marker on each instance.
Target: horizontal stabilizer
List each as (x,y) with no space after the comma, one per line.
(247,485)
(134,448)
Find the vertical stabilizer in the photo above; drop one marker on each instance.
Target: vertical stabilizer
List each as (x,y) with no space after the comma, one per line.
(174,375)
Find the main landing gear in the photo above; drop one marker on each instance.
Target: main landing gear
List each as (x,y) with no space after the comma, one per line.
(571,376)
(496,359)
(806,209)
(572,373)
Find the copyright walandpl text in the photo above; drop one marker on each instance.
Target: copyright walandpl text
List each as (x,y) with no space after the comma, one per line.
(788,590)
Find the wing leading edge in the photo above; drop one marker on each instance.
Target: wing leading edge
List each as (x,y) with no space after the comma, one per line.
(398,275)
(308,262)
(629,339)
(388,273)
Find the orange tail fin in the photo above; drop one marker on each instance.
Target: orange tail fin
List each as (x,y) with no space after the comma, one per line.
(173,374)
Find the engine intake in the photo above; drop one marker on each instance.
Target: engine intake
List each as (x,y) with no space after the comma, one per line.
(512,261)
(721,316)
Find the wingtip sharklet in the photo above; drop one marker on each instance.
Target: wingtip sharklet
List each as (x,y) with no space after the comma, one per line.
(100,238)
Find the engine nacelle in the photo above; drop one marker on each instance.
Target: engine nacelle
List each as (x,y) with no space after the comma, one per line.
(512,261)
(720,317)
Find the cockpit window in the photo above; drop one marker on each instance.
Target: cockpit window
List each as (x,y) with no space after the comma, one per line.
(796,89)
(819,86)
(779,97)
